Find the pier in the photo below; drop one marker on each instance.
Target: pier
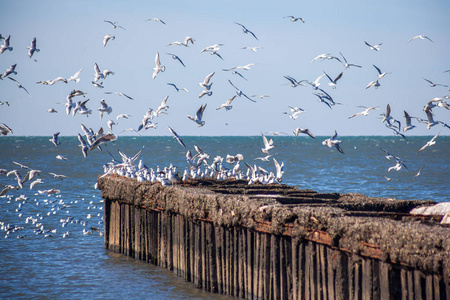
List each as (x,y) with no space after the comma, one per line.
(279,242)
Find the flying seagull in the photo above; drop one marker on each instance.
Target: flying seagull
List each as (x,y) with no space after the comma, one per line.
(5,45)
(158,68)
(120,94)
(176,58)
(107,38)
(227,105)
(177,137)
(364,112)
(32,48)
(346,64)
(176,88)
(198,116)
(297,131)
(19,85)
(239,92)
(429,143)
(333,142)
(157,20)
(55,140)
(432,84)
(245,30)
(114,24)
(422,37)
(294,19)
(375,47)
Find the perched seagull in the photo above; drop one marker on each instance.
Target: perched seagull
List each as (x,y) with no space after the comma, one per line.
(4,129)
(156,20)
(253,49)
(51,110)
(10,70)
(294,82)
(227,105)
(294,19)
(84,146)
(380,74)
(408,126)
(101,74)
(374,83)
(245,30)
(5,45)
(74,77)
(333,142)
(268,145)
(297,131)
(364,112)
(32,48)
(107,38)
(158,68)
(19,85)
(198,116)
(346,64)
(205,84)
(176,88)
(110,124)
(120,94)
(422,37)
(55,140)
(176,58)
(429,143)
(375,47)
(114,24)
(333,82)
(177,137)
(434,84)
(239,92)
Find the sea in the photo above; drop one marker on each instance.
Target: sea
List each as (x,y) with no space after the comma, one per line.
(51,246)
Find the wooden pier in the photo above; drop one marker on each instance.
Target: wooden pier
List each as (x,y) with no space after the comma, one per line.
(279,242)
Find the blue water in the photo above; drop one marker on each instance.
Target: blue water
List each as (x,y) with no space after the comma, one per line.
(78,266)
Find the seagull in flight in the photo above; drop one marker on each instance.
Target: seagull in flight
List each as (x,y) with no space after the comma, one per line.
(346,64)
(364,112)
(422,37)
(326,56)
(176,58)
(408,126)
(332,82)
(74,77)
(333,142)
(177,137)
(294,19)
(268,144)
(10,70)
(253,49)
(32,48)
(297,131)
(114,24)
(120,94)
(294,82)
(157,20)
(101,74)
(55,140)
(389,119)
(227,105)
(429,143)
(176,88)
(234,72)
(239,92)
(19,85)
(434,84)
(380,74)
(198,116)
(158,66)
(205,84)
(107,38)
(374,83)
(374,47)
(245,30)
(5,45)
(430,120)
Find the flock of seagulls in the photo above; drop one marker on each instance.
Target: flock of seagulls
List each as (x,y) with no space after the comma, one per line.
(199,164)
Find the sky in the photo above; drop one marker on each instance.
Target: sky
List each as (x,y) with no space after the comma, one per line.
(70,35)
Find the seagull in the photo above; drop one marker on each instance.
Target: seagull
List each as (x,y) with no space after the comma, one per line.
(297,131)
(157,20)
(104,108)
(84,146)
(333,142)
(109,137)
(22,166)
(245,68)
(37,181)
(59,176)
(74,77)
(239,92)
(49,192)
(294,19)
(268,145)
(125,116)
(294,82)
(205,84)
(52,82)
(107,38)
(347,65)
(374,83)
(114,24)
(98,85)
(110,124)
(261,96)
(380,74)
(176,88)
(10,70)
(101,75)
(60,157)
(388,118)
(429,143)
(19,85)
(205,92)
(408,126)
(158,68)
(81,108)
(245,30)
(55,140)
(216,53)
(198,116)
(431,122)
(364,112)
(177,137)
(295,114)
(333,82)
(176,58)
(227,105)
(315,84)
(325,56)
(52,110)
(375,47)
(265,158)
(434,84)
(253,49)
(4,129)
(120,94)
(234,72)
(422,37)
(279,170)
(32,48)
(5,45)
(322,99)
(7,188)
(417,174)
(162,107)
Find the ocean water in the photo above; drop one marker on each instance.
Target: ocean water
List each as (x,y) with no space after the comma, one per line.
(78,266)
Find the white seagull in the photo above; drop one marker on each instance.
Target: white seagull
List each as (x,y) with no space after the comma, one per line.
(333,82)
(114,24)
(429,143)
(375,47)
(227,105)
(333,142)
(432,84)
(205,84)
(101,74)
(364,112)
(177,137)
(32,48)
(294,19)
(107,38)
(245,30)
(422,37)
(157,20)
(297,131)
(158,68)
(5,45)
(268,144)
(198,116)
(74,77)
(380,74)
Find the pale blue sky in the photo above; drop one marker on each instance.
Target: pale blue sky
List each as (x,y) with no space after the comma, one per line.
(70,34)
